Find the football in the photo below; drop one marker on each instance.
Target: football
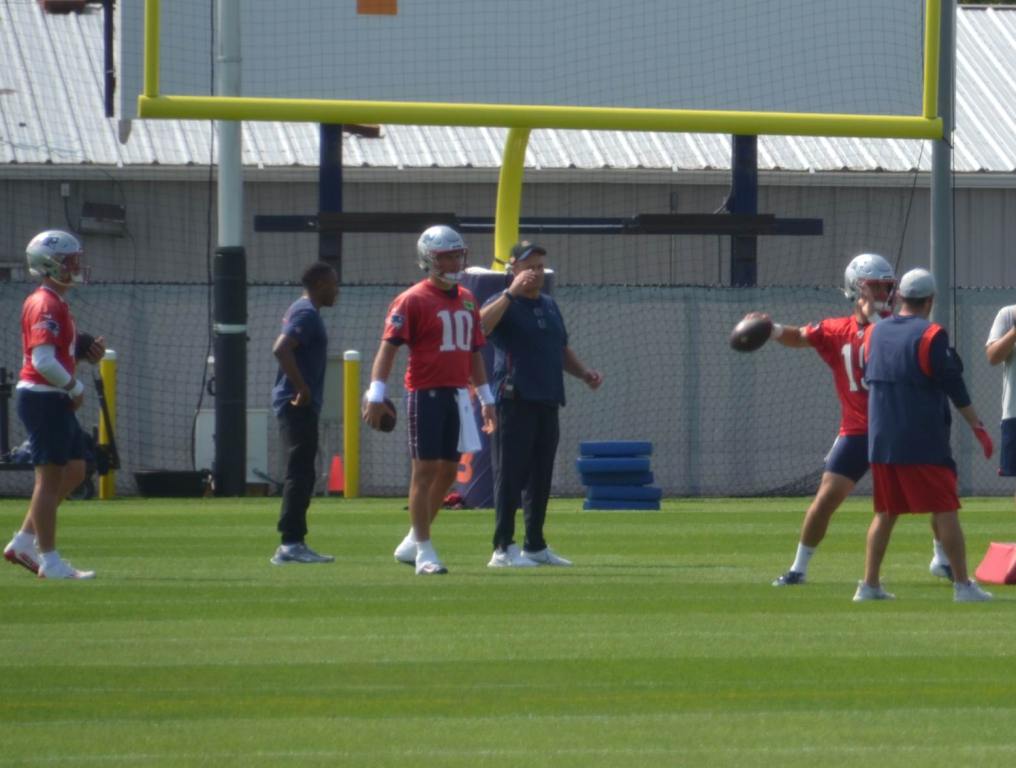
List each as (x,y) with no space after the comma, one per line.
(82,343)
(751,333)
(388,420)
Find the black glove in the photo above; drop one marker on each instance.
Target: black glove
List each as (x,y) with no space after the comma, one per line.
(82,344)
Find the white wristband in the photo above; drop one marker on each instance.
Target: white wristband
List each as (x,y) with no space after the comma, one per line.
(77,389)
(486,396)
(376,392)
(776,332)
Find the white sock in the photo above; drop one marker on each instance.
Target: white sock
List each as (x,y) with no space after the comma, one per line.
(411,536)
(23,540)
(425,551)
(940,556)
(801,560)
(51,558)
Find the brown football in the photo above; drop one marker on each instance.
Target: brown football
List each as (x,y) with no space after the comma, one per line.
(388,420)
(751,333)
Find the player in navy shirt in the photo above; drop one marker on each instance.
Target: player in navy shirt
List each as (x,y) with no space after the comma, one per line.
(302,352)
(912,373)
(531,356)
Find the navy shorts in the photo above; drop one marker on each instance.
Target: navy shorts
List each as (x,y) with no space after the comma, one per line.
(433,424)
(54,435)
(1007,454)
(848,456)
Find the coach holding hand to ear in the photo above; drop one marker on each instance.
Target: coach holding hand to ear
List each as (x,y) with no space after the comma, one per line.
(531,355)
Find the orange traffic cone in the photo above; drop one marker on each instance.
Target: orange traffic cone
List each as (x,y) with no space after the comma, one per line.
(336,477)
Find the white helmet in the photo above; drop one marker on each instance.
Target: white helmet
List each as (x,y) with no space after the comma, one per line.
(57,255)
(438,240)
(862,268)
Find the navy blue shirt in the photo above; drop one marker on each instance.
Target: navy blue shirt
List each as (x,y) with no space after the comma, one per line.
(302,322)
(911,373)
(529,345)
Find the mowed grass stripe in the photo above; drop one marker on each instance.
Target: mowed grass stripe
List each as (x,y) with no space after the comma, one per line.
(665,645)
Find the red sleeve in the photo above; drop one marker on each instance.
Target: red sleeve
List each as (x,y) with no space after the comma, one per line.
(41,324)
(398,325)
(816,334)
(924,348)
(866,345)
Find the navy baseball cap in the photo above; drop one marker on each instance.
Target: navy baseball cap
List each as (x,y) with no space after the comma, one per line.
(523,250)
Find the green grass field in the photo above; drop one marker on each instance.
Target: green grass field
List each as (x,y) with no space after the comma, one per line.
(664,646)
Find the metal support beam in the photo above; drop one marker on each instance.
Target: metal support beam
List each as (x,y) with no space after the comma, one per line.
(230,273)
(330,193)
(942,256)
(108,64)
(744,201)
(758,224)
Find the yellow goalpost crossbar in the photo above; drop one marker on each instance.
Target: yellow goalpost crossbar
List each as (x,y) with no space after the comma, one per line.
(151,104)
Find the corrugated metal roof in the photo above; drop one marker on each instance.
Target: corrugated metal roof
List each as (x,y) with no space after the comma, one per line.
(51,113)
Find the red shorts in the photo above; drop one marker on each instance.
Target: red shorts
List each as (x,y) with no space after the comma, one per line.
(902,488)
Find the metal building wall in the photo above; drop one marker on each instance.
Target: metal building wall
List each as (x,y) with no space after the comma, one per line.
(168,223)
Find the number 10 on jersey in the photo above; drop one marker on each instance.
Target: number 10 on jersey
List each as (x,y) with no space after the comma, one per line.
(456,330)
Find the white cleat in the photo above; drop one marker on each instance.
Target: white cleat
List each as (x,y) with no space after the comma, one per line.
(63,570)
(513,557)
(866,592)
(546,556)
(970,592)
(941,570)
(26,558)
(406,552)
(429,567)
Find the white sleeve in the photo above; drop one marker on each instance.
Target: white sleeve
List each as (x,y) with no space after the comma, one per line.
(1003,322)
(45,362)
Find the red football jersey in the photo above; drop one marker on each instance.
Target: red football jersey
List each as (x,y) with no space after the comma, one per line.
(46,319)
(442,330)
(839,342)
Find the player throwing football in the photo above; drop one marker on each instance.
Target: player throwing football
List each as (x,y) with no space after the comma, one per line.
(868,281)
(439,321)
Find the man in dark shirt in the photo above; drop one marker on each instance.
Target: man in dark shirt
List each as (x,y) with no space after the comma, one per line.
(301,350)
(531,354)
(912,373)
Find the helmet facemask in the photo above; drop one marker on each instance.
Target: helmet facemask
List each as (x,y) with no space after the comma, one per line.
(440,243)
(58,256)
(875,290)
(869,277)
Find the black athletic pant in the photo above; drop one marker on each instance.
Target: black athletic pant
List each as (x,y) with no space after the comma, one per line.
(522,453)
(298,428)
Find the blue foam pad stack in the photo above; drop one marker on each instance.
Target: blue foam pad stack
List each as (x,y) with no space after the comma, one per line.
(616,474)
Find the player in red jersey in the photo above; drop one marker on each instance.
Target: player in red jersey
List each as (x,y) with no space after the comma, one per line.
(868,281)
(47,396)
(440,323)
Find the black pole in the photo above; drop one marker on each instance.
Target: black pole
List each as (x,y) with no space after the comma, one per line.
(5,415)
(230,328)
(108,67)
(744,199)
(330,193)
